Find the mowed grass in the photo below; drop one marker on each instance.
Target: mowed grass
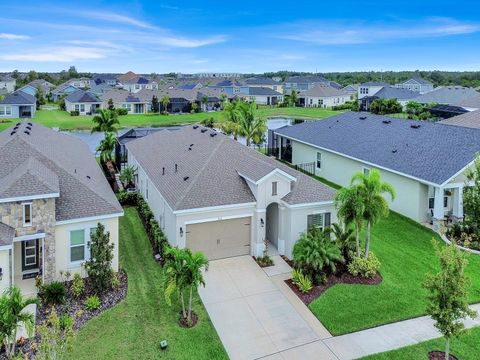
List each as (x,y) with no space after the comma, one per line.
(407,255)
(133,329)
(63,120)
(464,348)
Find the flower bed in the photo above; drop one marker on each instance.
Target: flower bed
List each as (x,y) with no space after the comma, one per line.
(463,235)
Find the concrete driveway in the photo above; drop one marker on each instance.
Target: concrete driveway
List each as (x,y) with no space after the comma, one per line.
(252,316)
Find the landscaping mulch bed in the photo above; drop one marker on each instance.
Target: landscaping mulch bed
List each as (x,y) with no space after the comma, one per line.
(344,278)
(262,265)
(183,321)
(439,355)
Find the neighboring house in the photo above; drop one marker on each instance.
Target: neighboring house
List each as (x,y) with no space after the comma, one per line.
(139,83)
(370,88)
(448,95)
(211,194)
(100,89)
(219,75)
(81,83)
(44,85)
(261,95)
(403,96)
(18,105)
(128,76)
(52,196)
(108,79)
(351,90)
(470,120)
(62,90)
(179,100)
(8,83)
(265,82)
(126,100)
(231,86)
(302,83)
(425,162)
(85,102)
(322,96)
(416,84)
(470,104)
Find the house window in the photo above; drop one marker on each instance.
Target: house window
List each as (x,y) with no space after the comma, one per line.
(30,253)
(274,188)
(319,160)
(366,171)
(77,246)
(137,86)
(77,107)
(82,107)
(5,110)
(431,202)
(311,101)
(27,214)
(127,106)
(445,201)
(320,102)
(318,220)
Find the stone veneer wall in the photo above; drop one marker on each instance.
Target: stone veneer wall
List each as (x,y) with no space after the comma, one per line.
(43,221)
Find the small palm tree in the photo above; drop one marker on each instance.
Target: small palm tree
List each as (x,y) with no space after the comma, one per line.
(223,98)
(204,101)
(106,147)
(105,121)
(372,189)
(195,263)
(12,316)
(127,176)
(232,116)
(165,102)
(345,238)
(252,127)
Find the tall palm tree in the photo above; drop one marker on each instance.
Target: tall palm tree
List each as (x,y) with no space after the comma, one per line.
(165,102)
(195,263)
(105,121)
(350,208)
(232,116)
(175,277)
(252,127)
(204,101)
(106,147)
(372,191)
(13,315)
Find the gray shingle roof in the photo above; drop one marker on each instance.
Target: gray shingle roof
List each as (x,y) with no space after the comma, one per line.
(6,234)
(374,83)
(323,91)
(84,191)
(262,91)
(390,92)
(419,80)
(433,153)
(470,120)
(82,96)
(261,81)
(212,167)
(306,79)
(19,98)
(450,95)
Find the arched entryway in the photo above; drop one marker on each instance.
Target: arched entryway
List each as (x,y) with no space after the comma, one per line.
(272,225)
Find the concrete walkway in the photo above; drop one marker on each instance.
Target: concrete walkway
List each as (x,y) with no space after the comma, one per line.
(257,316)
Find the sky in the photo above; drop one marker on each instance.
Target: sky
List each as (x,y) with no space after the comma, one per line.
(239,36)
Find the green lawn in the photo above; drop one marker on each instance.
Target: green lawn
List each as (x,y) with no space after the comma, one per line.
(133,329)
(406,253)
(63,120)
(464,348)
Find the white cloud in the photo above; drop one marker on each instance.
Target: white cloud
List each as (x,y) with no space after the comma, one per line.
(114,17)
(8,36)
(184,42)
(61,54)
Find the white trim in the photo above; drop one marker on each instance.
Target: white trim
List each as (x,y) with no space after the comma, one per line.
(6,247)
(220,218)
(25,224)
(304,205)
(214,208)
(29,237)
(363,161)
(231,217)
(92,218)
(32,197)
(271,173)
(191,222)
(459,172)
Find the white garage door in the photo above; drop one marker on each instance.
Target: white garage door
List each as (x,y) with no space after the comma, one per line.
(220,239)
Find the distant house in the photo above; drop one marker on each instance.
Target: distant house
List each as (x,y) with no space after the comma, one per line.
(231,86)
(8,83)
(32,86)
(417,84)
(448,95)
(126,100)
(403,96)
(470,120)
(85,102)
(100,89)
(139,83)
(351,89)
(265,82)
(179,100)
(81,83)
(302,83)
(370,88)
(261,95)
(108,79)
(322,96)
(18,105)
(62,90)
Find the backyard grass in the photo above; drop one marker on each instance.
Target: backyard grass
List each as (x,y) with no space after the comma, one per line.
(63,120)
(133,329)
(407,254)
(464,348)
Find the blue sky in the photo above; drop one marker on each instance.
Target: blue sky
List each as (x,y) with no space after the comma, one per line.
(239,36)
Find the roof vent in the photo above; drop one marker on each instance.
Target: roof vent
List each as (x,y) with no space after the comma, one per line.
(394,151)
(15,128)
(186,178)
(163,171)
(415,126)
(12,133)
(29,128)
(88,177)
(27,132)
(203,130)
(176,167)
(386,121)
(29,124)
(18,124)
(195,126)
(213,134)
(362,117)
(191,145)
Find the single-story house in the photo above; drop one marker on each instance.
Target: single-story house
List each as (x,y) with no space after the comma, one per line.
(425,162)
(62,90)
(7,83)
(52,196)
(403,96)
(85,102)
(417,84)
(124,99)
(32,86)
(18,105)
(211,194)
(231,86)
(265,82)
(448,95)
(470,120)
(322,96)
(261,95)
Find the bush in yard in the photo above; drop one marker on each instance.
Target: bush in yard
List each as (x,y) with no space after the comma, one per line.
(99,267)
(65,321)
(53,293)
(78,285)
(302,282)
(315,253)
(364,267)
(74,113)
(127,198)
(122,111)
(56,337)
(448,293)
(92,303)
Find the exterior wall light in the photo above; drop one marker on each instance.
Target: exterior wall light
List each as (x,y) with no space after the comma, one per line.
(262,223)
(181,232)
(1,274)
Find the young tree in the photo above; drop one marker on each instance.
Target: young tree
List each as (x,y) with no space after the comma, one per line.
(99,267)
(106,147)
(293,98)
(471,196)
(251,126)
(193,107)
(232,116)
(55,341)
(12,316)
(204,101)
(165,102)
(61,103)
(155,104)
(127,176)
(110,105)
(195,263)
(40,97)
(372,190)
(208,122)
(105,121)
(224,100)
(448,293)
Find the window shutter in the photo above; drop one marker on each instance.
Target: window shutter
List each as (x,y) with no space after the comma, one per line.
(309,221)
(327,219)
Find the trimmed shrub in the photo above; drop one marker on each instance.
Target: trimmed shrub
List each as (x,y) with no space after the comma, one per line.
(366,268)
(74,113)
(92,303)
(302,282)
(65,322)
(122,111)
(127,198)
(53,293)
(78,285)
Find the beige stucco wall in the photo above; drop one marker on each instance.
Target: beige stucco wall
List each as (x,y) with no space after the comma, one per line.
(62,240)
(5,265)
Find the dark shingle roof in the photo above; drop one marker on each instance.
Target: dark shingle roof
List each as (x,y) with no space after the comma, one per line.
(306,79)
(448,95)
(81,96)
(433,152)
(262,91)
(212,166)
(323,91)
(374,83)
(19,98)
(261,81)
(390,92)
(469,120)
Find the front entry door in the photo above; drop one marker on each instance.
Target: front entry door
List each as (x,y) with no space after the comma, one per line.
(30,255)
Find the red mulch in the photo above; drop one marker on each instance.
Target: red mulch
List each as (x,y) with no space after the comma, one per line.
(183,321)
(344,278)
(439,355)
